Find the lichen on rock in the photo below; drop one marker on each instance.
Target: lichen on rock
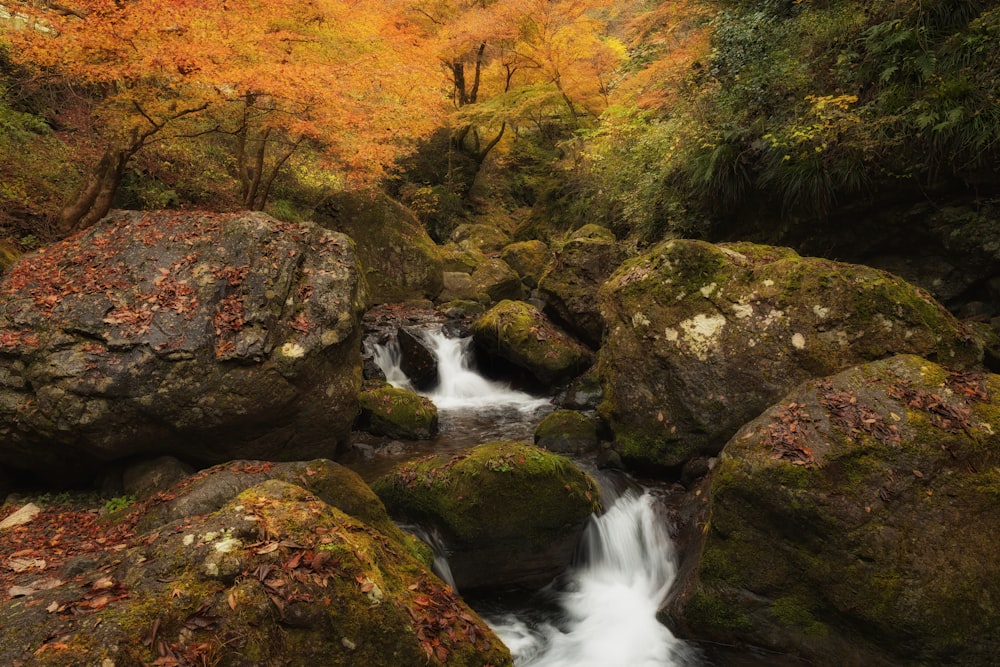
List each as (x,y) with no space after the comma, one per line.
(701,338)
(850,523)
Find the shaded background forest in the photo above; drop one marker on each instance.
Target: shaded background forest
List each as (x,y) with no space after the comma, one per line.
(778,120)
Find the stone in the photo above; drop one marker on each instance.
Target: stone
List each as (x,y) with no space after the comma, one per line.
(397,413)
(509,513)
(582,263)
(497,281)
(147,478)
(528,259)
(702,338)
(274,576)
(852,522)
(198,335)
(21,516)
(567,432)
(401,262)
(521,335)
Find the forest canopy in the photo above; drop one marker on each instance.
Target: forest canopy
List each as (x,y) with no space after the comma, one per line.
(653,118)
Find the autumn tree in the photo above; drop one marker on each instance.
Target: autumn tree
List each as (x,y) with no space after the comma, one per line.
(517,62)
(273,78)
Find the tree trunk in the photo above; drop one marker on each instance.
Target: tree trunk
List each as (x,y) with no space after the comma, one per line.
(94,199)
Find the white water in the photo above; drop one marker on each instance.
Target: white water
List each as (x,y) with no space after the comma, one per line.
(459,387)
(608,604)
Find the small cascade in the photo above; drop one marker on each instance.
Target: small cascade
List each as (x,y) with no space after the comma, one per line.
(459,386)
(608,602)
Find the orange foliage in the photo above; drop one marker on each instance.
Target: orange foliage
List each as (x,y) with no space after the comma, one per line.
(358,84)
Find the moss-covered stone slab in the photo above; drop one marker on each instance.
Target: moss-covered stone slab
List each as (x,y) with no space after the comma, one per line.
(205,336)
(397,413)
(855,522)
(275,576)
(522,335)
(702,338)
(567,432)
(510,513)
(582,263)
(401,261)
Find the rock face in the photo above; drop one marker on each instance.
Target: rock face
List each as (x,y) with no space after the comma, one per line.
(205,336)
(398,413)
(854,522)
(400,260)
(511,514)
(276,576)
(702,338)
(570,283)
(520,334)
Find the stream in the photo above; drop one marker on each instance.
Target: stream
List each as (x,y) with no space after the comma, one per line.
(600,613)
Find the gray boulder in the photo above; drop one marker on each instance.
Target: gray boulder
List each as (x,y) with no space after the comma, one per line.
(702,338)
(205,336)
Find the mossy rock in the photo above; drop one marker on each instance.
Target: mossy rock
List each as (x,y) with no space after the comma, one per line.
(851,523)
(480,237)
(703,337)
(208,490)
(572,279)
(520,334)
(510,513)
(567,432)
(528,259)
(460,260)
(398,413)
(276,576)
(401,261)
(497,281)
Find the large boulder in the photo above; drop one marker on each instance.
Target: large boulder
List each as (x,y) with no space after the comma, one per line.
(401,261)
(205,336)
(569,285)
(520,334)
(854,523)
(702,338)
(510,514)
(276,576)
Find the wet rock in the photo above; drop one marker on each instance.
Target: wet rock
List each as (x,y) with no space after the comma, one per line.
(203,336)
(850,523)
(520,334)
(702,338)
(511,514)
(274,576)
(416,360)
(571,281)
(567,432)
(397,413)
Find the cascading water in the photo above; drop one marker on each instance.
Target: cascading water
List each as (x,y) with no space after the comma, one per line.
(606,605)
(608,602)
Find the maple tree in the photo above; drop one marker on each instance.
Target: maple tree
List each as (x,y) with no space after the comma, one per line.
(517,62)
(268,79)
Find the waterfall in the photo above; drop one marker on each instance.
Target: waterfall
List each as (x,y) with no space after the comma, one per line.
(608,602)
(459,385)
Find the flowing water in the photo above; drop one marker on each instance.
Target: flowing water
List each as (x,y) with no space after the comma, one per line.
(602,613)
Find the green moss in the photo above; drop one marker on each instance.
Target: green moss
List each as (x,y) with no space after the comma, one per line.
(709,613)
(795,613)
(502,488)
(398,413)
